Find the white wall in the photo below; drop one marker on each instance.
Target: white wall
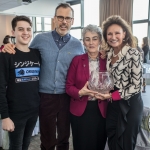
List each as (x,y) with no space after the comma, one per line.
(5,26)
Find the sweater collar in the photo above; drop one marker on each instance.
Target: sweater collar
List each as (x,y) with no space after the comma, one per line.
(122,52)
(57,37)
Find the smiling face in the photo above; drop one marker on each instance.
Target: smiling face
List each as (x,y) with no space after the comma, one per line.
(22,33)
(91,42)
(63,27)
(115,36)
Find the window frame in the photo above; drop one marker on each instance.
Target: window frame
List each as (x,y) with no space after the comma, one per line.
(82,14)
(145,21)
(42,26)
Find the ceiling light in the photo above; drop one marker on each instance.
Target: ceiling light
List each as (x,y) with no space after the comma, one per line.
(26,2)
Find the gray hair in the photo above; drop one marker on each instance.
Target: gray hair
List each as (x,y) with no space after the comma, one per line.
(92,28)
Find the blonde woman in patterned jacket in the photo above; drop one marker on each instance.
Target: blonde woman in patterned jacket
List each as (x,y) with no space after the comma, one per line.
(124,113)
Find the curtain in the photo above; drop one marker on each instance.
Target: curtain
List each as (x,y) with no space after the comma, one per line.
(124,8)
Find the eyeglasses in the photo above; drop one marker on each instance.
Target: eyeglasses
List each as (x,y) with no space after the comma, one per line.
(61,18)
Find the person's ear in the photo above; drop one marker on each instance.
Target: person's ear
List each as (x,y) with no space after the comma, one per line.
(13,32)
(72,21)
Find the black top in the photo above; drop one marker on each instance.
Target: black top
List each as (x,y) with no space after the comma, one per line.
(19,81)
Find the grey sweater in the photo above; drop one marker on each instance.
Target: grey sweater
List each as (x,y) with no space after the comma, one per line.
(55,62)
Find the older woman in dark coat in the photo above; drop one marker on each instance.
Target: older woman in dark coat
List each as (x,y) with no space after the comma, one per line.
(87,113)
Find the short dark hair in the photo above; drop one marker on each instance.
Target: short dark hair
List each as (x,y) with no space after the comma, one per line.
(6,39)
(20,18)
(64,5)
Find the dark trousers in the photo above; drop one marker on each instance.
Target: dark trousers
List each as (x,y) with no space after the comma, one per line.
(123,122)
(54,116)
(20,137)
(89,130)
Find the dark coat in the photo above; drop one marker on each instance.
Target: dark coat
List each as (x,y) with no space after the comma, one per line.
(146,53)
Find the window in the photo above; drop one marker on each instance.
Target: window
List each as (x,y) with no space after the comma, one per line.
(47,24)
(140,9)
(85,12)
(41,24)
(140,33)
(91,12)
(38,24)
(76,33)
(77,15)
(141,19)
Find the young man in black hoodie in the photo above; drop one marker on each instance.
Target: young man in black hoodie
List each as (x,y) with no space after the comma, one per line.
(19,80)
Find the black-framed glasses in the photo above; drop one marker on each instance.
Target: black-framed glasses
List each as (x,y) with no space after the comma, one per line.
(61,18)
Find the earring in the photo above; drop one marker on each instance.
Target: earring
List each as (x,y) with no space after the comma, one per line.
(123,40)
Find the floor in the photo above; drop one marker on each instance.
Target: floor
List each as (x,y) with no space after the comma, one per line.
(35,141)
(146,96)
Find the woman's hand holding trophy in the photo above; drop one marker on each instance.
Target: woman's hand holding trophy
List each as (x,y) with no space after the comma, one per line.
(102,83)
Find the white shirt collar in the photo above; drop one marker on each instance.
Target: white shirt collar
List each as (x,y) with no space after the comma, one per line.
(121,54)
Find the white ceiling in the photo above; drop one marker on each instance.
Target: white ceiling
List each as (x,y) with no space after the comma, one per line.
(43,8)
(7,4)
